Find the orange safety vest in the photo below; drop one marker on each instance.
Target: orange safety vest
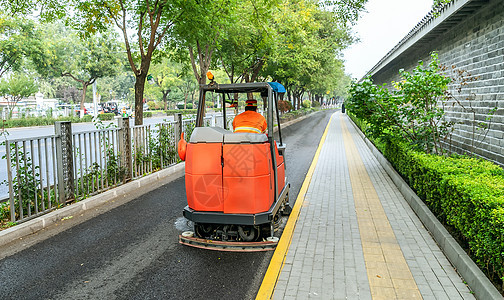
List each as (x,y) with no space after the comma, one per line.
(250,121)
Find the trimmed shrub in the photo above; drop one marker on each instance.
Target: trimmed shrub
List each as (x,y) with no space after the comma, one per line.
(306,104)
(87,118)
(180,111)
(41,121)
(284,106)
(106,116)
(296,114)
(464,193)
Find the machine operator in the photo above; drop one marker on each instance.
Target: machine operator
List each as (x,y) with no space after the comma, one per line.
(250,120)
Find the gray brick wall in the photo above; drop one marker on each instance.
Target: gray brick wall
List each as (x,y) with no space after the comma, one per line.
(475,44)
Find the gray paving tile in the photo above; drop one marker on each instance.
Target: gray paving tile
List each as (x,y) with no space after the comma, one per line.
(278,294)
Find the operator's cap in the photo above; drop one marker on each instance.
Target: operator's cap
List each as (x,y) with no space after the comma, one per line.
(252,103)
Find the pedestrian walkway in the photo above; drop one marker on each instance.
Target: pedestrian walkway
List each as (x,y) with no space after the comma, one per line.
(356,237)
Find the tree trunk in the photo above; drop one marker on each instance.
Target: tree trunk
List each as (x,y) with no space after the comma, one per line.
(289,98)
(11,105)
(192,99)
(84,89)
(139,92)
(250,96)
(165,100)
(256,69)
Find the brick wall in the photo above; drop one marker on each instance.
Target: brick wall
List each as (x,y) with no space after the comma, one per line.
(475,44)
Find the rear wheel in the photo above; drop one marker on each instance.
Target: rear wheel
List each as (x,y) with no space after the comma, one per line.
(286,208)
(203,230)
(277,220)
(248,233)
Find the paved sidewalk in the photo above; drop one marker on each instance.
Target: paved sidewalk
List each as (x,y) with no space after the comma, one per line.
(356,236)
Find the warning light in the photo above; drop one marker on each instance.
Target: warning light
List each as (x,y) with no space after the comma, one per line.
(210,76)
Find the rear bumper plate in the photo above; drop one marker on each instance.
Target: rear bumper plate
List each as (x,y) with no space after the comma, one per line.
(227,246)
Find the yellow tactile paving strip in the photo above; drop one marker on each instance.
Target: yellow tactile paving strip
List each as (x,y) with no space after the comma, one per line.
(277,261)
(388,273)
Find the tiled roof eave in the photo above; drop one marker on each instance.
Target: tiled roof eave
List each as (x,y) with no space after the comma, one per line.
(429,27)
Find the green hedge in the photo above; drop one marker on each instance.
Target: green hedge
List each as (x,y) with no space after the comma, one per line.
(465,193)
(294,114)
(180,111)
(106,116)
(41,121)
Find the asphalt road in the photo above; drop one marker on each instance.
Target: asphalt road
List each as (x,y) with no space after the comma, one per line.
(130,250)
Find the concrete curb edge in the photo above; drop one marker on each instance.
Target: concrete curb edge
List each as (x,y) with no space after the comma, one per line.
(467,268)
(294,121)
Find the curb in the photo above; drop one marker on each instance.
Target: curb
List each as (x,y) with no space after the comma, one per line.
(19,231)
(291,122)
(465,266)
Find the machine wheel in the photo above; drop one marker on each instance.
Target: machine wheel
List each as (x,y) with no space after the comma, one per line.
(277,219)
(247,233)
(203,230)
(286,211)
(286,208)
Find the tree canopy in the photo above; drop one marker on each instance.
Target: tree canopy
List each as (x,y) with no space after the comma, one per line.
(18,41)
(64,54)
(295,42)
(15,88)
(151,20)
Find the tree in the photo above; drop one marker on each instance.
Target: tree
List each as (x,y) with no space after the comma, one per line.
(66,55)
(18,40)
(309,40)
(247,43)
(63,88)
(119,87)
(296,53)
(46,10)
(167,76)
(150,19)
(345,11)
(201,40)
(14,89)
(413,112)
(188,87)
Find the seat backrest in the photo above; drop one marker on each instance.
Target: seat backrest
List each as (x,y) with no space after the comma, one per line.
(244,138)
(208,135)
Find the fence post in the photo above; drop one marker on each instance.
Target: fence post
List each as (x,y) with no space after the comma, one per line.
(124,138)
(178,128)
(12,203)
(64,160)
